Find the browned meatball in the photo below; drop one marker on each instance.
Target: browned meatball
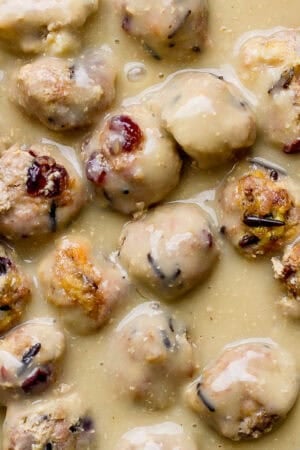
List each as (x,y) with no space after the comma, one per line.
(247,390)
(259,209)
(269,66)
(66,93)
(287,270)
(131,160)
(84,291)
(39,193)
(61,423)
(15,289)
(150,356)
(29,357)
(36,26)
(166,29)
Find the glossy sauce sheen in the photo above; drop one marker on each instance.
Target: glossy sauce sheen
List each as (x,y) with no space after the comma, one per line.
(236,302)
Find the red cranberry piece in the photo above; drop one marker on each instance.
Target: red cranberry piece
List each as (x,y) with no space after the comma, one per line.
(40,376)
(131,135)
(95,170)
(292,148)
(45,178)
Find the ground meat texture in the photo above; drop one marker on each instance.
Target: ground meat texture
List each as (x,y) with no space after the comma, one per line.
(29,358)
(169,250)
(40,191)
(150,356)
(168,29)
(269,66)
(85,291)
(163,436)
(38,26)
(287,271)
(131,161)
(62,423)
(66,93)
(207,116)
(259,209)
(15,289)
(247,390)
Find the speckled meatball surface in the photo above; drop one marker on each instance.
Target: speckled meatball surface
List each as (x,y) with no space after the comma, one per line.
(269,66)
(40,191)
(150,356)
(131,160)
(287,271)
(84,290)
(170,249)
(259,208)
(163,436)
(15,289)
(168,29)
(207,116)
(66,93)
(247,390)
(61,423)
(29,357)
(35,26)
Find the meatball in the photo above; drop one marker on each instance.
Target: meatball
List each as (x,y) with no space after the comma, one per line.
(15,289)
(166,29)
(269,66)
(163,436)
(39,193)
(247,390)
(207,116)
(131,160)
(65,94)
(169,250)
(287,270)
(259,209)
(36,26)
(57,424)
(150,356)
(85,293)
(29,357)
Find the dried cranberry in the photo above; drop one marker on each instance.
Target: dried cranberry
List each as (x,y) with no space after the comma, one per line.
(5,264)
(38,377)
(292,148)
(45,178)
(131,135)
(95,170)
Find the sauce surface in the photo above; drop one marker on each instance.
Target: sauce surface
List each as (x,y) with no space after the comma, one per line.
(237,301)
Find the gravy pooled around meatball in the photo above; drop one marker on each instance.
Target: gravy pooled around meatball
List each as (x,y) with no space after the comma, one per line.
(36,26)
(15,289)
(207,116)
(269,66)
(150,356)
(131,160)
(66,93)
(29,357)
(287,271)
(61,423)
(163,436)
(84,292)
(39,192)
(247,390)
(168,29)
(259,208)
(170,249)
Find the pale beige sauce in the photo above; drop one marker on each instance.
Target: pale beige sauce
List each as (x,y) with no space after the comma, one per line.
(238,301)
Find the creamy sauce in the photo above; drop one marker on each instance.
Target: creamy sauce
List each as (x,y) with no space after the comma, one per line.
(236,302)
